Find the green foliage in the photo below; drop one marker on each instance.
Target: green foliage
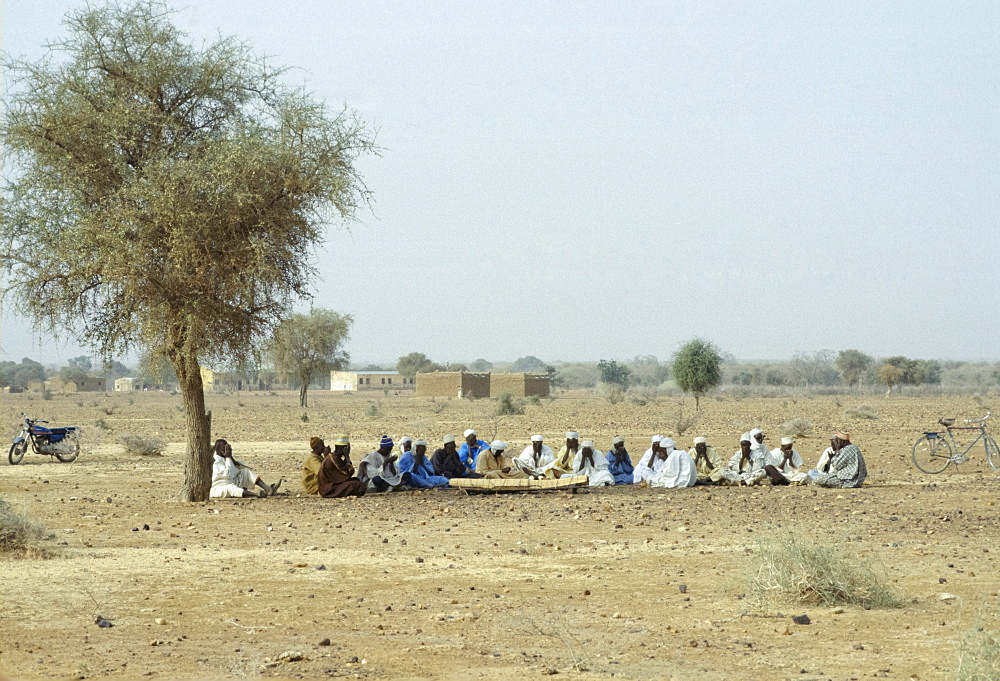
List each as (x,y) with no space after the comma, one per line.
(613,373)
(19,375)
(82,362)
(481,366)
(817,574)
(697,367)
(853,366)
(416,363)
(529,364)
(909,372)
(576,375)
(72,374)
(306,345)
(647,371)
(507,405)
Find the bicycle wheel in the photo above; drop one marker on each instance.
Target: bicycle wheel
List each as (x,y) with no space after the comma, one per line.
(932,454)
(16,452)
(992,453)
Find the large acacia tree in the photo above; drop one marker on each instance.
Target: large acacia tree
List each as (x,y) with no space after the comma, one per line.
(307,344)
(166,196)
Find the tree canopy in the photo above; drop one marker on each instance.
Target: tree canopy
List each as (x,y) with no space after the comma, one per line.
(416,363)
(697,368)
(167,196)
(306,345)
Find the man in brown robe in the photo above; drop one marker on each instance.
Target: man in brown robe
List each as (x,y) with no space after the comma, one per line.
(312,464)
(336,474)
(495,464)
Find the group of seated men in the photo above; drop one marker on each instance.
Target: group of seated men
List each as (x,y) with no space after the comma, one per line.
(330,472)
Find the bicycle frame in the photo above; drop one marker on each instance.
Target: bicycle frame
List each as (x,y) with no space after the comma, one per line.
(961,457)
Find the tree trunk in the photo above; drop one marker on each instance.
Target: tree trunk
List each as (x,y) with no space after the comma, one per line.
(303,397)
(198,458)
(697,404)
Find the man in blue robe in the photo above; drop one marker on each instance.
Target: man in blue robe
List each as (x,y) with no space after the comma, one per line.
(419,467)
(619,462)
(469,451)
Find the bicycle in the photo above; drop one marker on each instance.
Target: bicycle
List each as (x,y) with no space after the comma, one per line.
(935,451)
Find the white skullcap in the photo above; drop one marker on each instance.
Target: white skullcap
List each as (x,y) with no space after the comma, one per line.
(656,438)
(449,438)
(537,438)
(498,445)
(417,443)
(786,440)
(617,440)
(745,437)
(470,431)
(572,435)
(587,443)
(405,438)
(701,440)
(755,432)
(667,443)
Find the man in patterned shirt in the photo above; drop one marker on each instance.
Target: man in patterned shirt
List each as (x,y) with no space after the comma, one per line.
(847,466)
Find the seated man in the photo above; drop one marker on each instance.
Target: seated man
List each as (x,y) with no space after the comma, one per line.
(419,467)
(678,469)
(447,463)
(314,461)
(787,462)
(536,458)
(336,479)
(405,445)
(494,463)
(470,449)
(644,470)
(847,466)
(823,466)
(707,462)
(378,469)
(232,478)
(757,443)
(590,463)
(563,464)
(619,462)
(745,467)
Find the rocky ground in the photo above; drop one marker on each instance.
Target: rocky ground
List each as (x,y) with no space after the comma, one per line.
(621,582)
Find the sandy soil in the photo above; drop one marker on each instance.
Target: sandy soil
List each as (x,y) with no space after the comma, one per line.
(443,585)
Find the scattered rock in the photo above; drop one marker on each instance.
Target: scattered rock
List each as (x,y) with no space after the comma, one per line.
(290,656)
(103,623)
(161,621)
(947,597)
(325,642)
(801,619)
(420,560)
(683,588)
(838,611)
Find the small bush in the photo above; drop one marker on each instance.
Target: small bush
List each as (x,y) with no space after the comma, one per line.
(979,656)
(19,534)
(304,418)
(108,410)
(680,423)
(535,400)
(862,411)
(795,428)
(373,411)
(46,394)
(508,406)
(818,574)
(101,424)
(142,446)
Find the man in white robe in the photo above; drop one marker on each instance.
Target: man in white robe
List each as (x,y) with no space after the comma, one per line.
(234,479)
(590,463)
(679,470)
(746,466)
(379,470)
(823,466)
(787,462)
(757,443)
(644,469)
(536,458)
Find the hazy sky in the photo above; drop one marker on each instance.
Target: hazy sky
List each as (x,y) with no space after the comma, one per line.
(594,180)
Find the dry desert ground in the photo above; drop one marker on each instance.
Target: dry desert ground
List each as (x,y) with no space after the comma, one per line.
(444,585)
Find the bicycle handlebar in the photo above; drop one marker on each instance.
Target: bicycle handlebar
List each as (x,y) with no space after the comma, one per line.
(977,420)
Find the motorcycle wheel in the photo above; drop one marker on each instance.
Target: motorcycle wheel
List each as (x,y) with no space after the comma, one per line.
(71,457)
(16,452)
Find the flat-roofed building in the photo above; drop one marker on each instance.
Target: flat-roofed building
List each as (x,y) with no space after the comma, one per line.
(349,381)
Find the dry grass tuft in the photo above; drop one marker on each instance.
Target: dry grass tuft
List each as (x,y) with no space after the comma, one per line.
(795,428)
(862,411)
(19,534)
(817,573)
(979,656)
(142,446)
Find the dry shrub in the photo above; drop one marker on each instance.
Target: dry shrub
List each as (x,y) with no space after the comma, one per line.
(19,534)
(817,573)
(142,446)
(862,411)
(680,423)
(795,428)
(507,405)
(979,656)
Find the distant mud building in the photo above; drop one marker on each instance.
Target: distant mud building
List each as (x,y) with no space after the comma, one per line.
(453,384)
(520,385)
(349,381)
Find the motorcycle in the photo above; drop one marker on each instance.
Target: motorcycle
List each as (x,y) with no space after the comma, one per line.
(62,443)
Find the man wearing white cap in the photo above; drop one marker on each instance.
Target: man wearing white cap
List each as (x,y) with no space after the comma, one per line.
(757,443)
(707,462)
(419,467)
(746,466)
(678,469)
(536,457)
(648,462)
(589,462)
(563,465)
(469,451)
(787,462)
(496,465)
(446,461)
(619,462)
